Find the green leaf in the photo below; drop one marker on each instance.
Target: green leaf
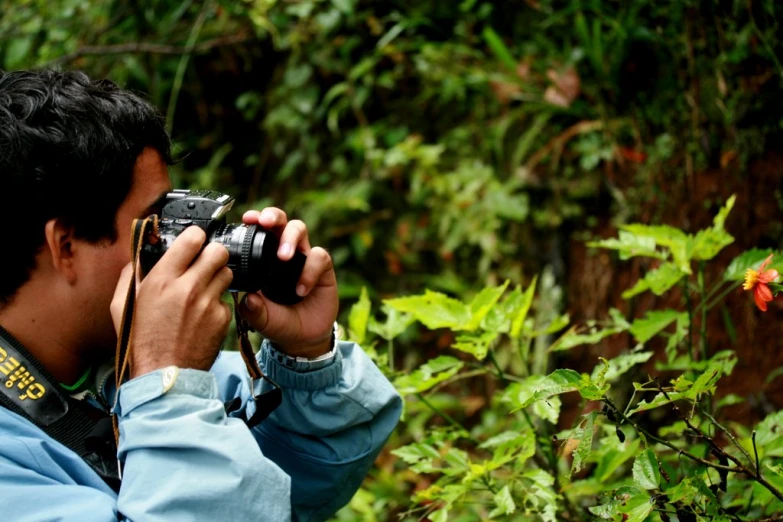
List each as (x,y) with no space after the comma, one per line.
(483,303)
(646,474)
(685,491)
(428,375)
(413,453)
(572,339)
(504,503)
(434,310)
(645,329)
(630,245)
(475,344)
(709,242)
(358,318)
(621,364)
(672,238)
(638,508)
(768,435)
(523,309)
(582,452)
(500,50)
(751,259)
(396,323)
(658,281)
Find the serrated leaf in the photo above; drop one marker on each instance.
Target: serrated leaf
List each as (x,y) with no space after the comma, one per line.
(645,329)
(630,245)
(684,492)
(524,308)
(358,318)
(672,238)
(751,259)
(428,375)
(621,364)
(548,410)
(434,310)
(396,323)
(413,453)
(572,339)
(475,344)
(483,303)
(582,452)
(657,281)
(504,503)
(646,474)
(707,243)
(638,508)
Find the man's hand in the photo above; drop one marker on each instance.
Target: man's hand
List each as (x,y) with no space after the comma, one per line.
(304,329)
(180,319)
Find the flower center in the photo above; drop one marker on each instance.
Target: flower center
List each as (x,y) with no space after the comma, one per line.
(751,278)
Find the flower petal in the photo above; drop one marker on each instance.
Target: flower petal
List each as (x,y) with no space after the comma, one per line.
(766,262)
(759,302)
(763,292)
(767,276)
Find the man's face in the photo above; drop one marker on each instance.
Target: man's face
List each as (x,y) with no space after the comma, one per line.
(150,183)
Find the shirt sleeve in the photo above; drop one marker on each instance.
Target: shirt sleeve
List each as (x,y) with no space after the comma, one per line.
(328,430)
(184,459)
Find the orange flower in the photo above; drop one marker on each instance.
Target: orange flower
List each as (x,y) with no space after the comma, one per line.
(759,283)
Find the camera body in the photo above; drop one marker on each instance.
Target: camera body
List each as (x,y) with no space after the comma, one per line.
(252,250)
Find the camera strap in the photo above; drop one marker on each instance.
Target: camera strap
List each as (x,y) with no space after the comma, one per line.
(147,230)
(30,391)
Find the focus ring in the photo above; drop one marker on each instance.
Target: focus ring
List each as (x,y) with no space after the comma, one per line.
(247,245)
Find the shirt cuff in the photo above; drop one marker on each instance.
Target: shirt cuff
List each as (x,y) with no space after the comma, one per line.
(165,381)
(285,377)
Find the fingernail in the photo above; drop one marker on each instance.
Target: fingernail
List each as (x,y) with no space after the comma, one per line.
(301,290)
(285,249)
(267,215)
(251,303)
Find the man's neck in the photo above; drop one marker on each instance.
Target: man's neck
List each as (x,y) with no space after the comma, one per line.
(46,337)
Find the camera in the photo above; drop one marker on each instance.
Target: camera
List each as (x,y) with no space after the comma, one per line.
(252,250)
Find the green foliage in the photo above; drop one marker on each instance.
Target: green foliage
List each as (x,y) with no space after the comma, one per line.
(441,148)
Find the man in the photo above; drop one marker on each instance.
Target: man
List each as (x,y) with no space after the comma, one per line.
(79,160)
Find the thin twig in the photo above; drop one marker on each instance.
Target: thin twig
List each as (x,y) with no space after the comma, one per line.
(756,453)
(731,469)
(728,433)
(150,48)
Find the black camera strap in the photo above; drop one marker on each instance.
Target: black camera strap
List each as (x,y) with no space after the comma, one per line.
(27,389)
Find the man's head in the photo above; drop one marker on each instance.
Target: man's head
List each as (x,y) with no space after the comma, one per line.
(79,160)
(68,148)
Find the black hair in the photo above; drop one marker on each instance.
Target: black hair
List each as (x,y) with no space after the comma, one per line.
(68,145)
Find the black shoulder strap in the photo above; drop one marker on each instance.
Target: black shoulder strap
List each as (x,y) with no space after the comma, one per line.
(27,389)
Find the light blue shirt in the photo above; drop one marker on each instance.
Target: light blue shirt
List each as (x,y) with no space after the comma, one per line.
(185,459)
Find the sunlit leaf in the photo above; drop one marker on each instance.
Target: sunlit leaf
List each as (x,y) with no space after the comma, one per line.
(523,308)
(504,503)
(585,447)
(475,344)
(645,470)
(433,310)
(358,318)
(657,281)
(482,303)
(630,245)
(428,375)
(645,329)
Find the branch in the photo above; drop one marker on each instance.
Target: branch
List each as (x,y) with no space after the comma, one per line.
(150,48)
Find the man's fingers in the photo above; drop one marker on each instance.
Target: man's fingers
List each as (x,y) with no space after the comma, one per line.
(294,237)
(207,264)
(269,218)
(318,269)
(218,285)
(181,253)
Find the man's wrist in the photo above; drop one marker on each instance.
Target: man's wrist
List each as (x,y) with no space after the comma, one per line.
(309,357)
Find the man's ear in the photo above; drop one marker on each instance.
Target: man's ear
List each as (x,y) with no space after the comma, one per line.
(60,243)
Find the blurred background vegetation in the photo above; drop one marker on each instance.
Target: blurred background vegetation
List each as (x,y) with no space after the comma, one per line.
(455,144)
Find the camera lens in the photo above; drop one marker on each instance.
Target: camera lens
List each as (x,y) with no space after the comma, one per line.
(254,262)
